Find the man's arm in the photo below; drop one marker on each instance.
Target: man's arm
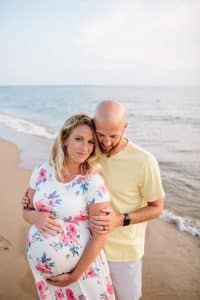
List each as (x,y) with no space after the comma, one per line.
(44,221)
(110,219)
(151,211)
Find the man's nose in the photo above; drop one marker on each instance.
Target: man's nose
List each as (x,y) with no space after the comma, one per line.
(107,141)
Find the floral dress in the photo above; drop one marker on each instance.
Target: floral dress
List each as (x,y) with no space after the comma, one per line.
(59,254)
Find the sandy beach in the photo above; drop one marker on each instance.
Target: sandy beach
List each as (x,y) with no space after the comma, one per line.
(171,265)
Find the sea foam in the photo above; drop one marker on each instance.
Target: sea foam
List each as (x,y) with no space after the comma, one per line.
(192,226)
(25,126)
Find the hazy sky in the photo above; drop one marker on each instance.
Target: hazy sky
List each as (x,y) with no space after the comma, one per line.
(100,42)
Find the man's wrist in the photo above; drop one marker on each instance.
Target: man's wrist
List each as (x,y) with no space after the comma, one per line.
(121,219)
(126,219)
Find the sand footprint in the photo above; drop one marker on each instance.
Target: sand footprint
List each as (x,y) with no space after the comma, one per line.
(4,243)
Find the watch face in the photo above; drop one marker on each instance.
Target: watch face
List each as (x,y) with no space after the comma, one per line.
(127,220)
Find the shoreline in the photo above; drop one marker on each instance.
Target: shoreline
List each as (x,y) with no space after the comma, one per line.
(171,265)
(186,217)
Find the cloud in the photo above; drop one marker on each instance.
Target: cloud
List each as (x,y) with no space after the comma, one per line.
(164,37)
(118,42)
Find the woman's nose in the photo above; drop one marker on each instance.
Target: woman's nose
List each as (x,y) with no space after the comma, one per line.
(84,145)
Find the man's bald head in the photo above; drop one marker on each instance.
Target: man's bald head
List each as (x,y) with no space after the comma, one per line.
(110,112)
(110,122)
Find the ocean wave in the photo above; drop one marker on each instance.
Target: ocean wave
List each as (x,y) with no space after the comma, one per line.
(26,126)
(192,226)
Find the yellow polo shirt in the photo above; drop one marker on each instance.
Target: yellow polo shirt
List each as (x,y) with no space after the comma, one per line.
(133,179)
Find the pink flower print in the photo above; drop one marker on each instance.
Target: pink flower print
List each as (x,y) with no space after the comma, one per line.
(90,272)
(59,295)
(72,231)
(81,217)
(43,268)
(110,288)
(42,174)
(51,202)
(70,294)
(103,189)
(33,239)
(79,179)
(40,205)
(64,238)
(42,289)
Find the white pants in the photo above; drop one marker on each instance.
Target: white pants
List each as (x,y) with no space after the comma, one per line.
(127,279)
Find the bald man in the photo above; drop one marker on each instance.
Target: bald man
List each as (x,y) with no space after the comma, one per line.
(133,178)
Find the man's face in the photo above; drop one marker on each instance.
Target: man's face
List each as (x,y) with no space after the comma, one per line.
(108,135)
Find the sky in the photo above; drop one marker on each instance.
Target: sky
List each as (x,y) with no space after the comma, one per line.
(121,42)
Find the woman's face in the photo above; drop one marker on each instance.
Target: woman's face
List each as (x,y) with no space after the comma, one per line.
(80,144)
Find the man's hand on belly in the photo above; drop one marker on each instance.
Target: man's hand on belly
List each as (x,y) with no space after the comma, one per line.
(46,223)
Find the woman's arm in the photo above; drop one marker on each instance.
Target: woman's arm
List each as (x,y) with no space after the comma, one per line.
(111,219)
(90,253)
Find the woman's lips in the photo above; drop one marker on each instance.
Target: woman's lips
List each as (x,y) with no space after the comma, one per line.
(81,154)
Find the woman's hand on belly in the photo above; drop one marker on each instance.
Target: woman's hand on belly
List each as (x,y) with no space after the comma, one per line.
(63,279)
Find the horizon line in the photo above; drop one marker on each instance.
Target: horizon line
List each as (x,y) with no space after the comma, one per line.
(98,85)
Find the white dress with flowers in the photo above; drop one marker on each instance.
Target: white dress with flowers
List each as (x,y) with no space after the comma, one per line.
(60,253)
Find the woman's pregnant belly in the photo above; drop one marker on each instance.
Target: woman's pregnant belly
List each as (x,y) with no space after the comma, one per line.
(60,253)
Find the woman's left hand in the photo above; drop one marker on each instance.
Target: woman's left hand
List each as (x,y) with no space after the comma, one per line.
(63,279)
(105,222)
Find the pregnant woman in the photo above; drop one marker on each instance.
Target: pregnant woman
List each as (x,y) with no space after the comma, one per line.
(71,264)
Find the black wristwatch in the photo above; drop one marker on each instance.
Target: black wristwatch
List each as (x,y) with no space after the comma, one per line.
(126,220)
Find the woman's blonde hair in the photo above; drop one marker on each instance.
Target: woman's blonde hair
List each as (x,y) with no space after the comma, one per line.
(59,151)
